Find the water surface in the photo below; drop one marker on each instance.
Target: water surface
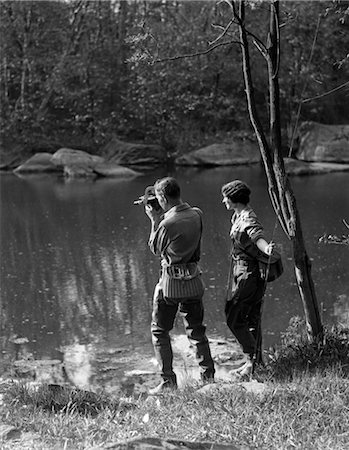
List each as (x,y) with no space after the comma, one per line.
(77,276)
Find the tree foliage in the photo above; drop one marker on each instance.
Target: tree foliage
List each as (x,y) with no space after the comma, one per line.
(76,72)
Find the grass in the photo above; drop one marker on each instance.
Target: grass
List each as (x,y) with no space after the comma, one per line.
(296,356)
(305,406)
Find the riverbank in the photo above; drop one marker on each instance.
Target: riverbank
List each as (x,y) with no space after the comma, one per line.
(309,413)
(299,400)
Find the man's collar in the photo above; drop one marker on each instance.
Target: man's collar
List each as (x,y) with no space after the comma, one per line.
(176,208)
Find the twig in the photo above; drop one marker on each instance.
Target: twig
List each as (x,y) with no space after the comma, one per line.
(224,32)
(325,93)
(191,55)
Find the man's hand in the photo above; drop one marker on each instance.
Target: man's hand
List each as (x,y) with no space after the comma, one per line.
(153,214)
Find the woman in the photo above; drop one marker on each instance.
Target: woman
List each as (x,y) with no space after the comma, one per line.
(244,301)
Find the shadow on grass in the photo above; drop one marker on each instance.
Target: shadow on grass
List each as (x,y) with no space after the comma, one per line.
(55,398)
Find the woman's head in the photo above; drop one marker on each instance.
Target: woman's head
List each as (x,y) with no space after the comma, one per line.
(237,192)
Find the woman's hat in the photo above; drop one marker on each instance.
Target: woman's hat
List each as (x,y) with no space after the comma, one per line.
(234,187)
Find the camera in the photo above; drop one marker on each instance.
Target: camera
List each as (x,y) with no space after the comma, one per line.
(149,198)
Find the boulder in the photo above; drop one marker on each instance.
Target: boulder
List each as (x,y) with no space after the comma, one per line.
(323,143)
(79,171)
(76,163)
(225,154)
(70,157)
(127,153)
(296,167)
(38,163)
(114,170)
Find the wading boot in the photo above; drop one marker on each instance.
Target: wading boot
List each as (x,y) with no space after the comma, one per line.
(165,386)
(245,370)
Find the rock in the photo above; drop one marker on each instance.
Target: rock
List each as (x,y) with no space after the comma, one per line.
(70,157)
(76,163)
(79,171)
(8,433)
(41,370)
(127,153)
(233,153)
(110,169)
(154,443)
(254,387)
(296,167)
(40,162)
(326,143)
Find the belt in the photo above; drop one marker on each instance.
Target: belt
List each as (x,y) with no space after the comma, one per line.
(185,271)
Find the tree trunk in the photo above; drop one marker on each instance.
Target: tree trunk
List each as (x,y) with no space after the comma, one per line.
(76,30)
(280,190)
(25,60)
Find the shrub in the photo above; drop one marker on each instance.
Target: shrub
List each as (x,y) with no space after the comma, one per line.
(298,355)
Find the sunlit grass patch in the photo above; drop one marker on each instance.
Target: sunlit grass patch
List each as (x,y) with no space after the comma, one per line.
(309,413)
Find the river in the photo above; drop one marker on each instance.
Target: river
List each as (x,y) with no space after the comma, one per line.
(77,275)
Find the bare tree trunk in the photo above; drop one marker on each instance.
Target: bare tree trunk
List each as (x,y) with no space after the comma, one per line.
(24,45)
(280,190)
(5,78)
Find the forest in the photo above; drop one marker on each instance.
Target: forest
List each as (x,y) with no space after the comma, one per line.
(76,73)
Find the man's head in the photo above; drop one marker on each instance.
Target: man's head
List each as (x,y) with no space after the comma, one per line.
(167,192)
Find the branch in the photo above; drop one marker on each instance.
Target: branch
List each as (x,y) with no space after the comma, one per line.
(277,26)
(231,5)
(224,32)
(256,39)
(325,93)
(191,55)
(261,47)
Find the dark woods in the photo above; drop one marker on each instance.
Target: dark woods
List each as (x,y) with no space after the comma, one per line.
(74,73)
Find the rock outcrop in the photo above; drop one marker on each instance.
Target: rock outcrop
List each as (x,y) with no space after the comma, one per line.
(68,156)
(128,153)
(226,154)
(38,163)
(296,167)
(109,169)
(74,164)
(323,143)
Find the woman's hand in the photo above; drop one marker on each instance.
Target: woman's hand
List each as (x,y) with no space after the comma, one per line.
(269,248)
(266,248)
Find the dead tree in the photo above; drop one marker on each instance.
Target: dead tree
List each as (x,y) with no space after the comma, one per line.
(280,190)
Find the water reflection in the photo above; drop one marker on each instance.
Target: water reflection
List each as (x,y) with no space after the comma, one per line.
(77,276)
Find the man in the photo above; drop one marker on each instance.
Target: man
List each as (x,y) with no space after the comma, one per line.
(176,237)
